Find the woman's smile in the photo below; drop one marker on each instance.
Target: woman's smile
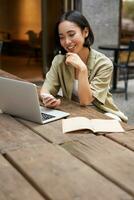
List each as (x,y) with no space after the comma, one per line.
(70,48)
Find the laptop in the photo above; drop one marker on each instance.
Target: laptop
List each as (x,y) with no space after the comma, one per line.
(20,98)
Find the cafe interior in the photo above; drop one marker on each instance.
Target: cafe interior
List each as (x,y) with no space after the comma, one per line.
(20,32)
(23,35)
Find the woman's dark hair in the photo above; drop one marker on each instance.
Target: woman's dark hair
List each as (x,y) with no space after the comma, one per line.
(77,18)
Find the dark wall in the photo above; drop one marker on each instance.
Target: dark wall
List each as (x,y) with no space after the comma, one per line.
(51,10)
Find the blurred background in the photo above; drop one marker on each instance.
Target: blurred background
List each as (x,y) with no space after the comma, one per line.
(27,29)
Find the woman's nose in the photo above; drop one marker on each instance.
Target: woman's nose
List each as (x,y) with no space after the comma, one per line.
(67,41)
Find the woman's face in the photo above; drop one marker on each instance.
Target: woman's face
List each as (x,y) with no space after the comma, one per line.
(71,36)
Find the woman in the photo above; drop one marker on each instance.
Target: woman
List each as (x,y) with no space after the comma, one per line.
(81,72)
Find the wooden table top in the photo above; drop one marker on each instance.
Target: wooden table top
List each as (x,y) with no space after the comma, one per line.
(40,162)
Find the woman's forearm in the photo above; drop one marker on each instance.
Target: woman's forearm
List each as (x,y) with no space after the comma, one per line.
(43,90)
(84,89)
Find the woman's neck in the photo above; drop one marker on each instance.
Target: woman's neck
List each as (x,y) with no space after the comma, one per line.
(84,54)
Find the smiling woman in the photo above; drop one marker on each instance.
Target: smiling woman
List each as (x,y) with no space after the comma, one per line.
(77,62)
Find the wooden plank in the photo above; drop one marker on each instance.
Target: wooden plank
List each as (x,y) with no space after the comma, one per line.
(52,132)
(90,112)
(13,185)
(109,158)
(61,176)
(76,110)
(126,139)
(15,135)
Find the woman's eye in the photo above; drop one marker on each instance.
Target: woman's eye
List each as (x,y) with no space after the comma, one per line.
(61,38)
(71,34)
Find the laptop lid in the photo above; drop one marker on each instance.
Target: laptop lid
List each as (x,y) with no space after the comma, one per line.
(20,98)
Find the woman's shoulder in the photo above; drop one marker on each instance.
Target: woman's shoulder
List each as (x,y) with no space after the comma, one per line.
(100,56)
(58,59)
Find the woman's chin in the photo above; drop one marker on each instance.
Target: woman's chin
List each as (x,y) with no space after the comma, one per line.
(72,51)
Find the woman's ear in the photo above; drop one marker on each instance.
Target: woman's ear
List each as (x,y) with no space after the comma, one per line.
(86,32)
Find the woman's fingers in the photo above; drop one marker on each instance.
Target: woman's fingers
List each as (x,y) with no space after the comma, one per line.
(57,103)
(46,96)
(50,101)
(53,104)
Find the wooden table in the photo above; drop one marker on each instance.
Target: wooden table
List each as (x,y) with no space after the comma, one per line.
(116,49)
(40,162)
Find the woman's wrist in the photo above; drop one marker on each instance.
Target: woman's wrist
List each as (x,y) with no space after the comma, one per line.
(83,70)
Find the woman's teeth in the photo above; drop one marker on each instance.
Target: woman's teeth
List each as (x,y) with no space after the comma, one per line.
(70,48)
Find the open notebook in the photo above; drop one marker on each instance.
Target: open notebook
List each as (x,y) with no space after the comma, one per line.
(95,125)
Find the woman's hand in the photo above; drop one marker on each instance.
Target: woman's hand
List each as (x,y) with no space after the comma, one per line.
(74,60)
(81,73)
(50,101)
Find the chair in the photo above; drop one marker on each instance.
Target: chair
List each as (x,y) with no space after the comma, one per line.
(126,66)
(34,45)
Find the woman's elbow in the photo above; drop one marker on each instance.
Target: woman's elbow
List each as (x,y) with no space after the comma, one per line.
(86,102)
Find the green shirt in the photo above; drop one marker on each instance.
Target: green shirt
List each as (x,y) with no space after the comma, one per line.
(100,70)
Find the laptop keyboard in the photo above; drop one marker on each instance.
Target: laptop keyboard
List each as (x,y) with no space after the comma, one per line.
(46,116)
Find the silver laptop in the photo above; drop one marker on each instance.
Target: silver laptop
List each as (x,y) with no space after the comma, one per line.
(20,99)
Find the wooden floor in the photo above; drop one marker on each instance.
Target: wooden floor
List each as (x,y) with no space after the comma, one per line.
(20,66)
